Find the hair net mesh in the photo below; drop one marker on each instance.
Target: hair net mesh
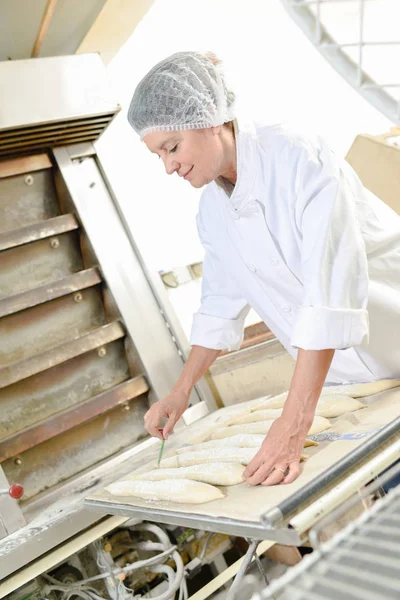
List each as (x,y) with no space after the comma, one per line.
(184,91)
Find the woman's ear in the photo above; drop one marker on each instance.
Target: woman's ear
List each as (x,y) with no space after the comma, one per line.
(216,130)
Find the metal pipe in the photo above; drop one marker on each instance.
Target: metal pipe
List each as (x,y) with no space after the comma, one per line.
(243,568)
(318,485)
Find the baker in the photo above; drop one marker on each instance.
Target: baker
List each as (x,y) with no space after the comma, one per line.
(289,230)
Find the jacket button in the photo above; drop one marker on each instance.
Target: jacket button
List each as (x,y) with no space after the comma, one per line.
(287,308)
(275,262)
(253,268)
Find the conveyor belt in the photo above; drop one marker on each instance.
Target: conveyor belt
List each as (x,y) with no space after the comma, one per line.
(242,511)
(360,563)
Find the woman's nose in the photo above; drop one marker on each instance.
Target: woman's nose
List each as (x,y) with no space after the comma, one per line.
(171,166)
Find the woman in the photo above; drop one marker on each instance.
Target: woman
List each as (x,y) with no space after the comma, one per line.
(289,230)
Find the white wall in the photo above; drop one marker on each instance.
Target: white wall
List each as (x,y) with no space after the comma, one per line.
(279,76)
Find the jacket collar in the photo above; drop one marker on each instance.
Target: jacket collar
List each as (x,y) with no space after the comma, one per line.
(246,156)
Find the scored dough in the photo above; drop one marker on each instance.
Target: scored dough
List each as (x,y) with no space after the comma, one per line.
(235,455)
(216,473)
(334,406)
(319,424)
(173,490)
(252,417)
(261,427)
(360,390)
(275,402)
(240,440)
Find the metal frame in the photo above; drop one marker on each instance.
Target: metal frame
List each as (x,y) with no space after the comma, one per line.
(171,322)
(46,527)
(330,562)
(324,481)
(156,335)
(288,522)
(149,320)
(11,517)
(353,72)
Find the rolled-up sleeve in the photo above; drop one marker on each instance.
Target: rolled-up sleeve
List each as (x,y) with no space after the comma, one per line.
(334,262)
(219,323)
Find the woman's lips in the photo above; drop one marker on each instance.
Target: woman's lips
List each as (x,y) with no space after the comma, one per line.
(188,173)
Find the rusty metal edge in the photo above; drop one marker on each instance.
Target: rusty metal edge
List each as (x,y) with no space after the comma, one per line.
(54,356)
(42,128)
(49,291)
(72,417)
(15,151)
(38,231)
(60,131)
(26,164)
(48,139)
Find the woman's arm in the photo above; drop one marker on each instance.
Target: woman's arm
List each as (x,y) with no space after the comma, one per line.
(283,445)
(174,405)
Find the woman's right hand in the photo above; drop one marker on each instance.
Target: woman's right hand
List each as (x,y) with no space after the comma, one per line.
(171,407)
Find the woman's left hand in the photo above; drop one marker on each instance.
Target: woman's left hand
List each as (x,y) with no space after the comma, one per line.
(278,460)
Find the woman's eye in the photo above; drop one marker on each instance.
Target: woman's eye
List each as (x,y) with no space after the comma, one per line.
(173,149)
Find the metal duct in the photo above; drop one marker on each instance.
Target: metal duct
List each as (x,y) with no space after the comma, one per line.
(50,102)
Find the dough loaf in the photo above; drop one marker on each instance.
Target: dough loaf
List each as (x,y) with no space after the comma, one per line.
(235,455)
(262,427)
(242,440)
(360,390)
(171,490)
(215,473)
(334,406)
(259,415)
(274,402)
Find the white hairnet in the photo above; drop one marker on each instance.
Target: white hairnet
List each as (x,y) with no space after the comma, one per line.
(184,91)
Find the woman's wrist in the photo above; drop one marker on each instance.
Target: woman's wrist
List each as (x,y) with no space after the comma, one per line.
(299,412)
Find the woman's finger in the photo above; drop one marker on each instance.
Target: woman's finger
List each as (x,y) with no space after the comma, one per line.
(294,472)
(261,474)
(170,424)
(152,419)
(253,465)
(276,476)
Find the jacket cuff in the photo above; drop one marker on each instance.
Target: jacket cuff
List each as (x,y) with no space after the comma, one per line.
(320,328)
(216,333)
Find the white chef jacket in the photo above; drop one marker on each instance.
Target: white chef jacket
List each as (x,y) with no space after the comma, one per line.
(309,248)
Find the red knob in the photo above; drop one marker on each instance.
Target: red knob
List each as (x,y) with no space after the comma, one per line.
(16,491)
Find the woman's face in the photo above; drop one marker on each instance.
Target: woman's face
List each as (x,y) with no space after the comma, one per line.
(199,156)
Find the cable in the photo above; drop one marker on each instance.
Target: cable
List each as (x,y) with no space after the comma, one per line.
(166,542)
(204,549)
(175,580)
(131,567)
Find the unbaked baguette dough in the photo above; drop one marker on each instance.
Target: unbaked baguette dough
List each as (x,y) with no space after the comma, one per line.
(253,417)
(171,490)
(360,390)
(274,402)
(334,406)
(242,440)
(319,424)
(234,455)
(261,427)
(216,473)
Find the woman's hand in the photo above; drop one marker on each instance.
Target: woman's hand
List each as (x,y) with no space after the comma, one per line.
(171,407)
(278,460)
